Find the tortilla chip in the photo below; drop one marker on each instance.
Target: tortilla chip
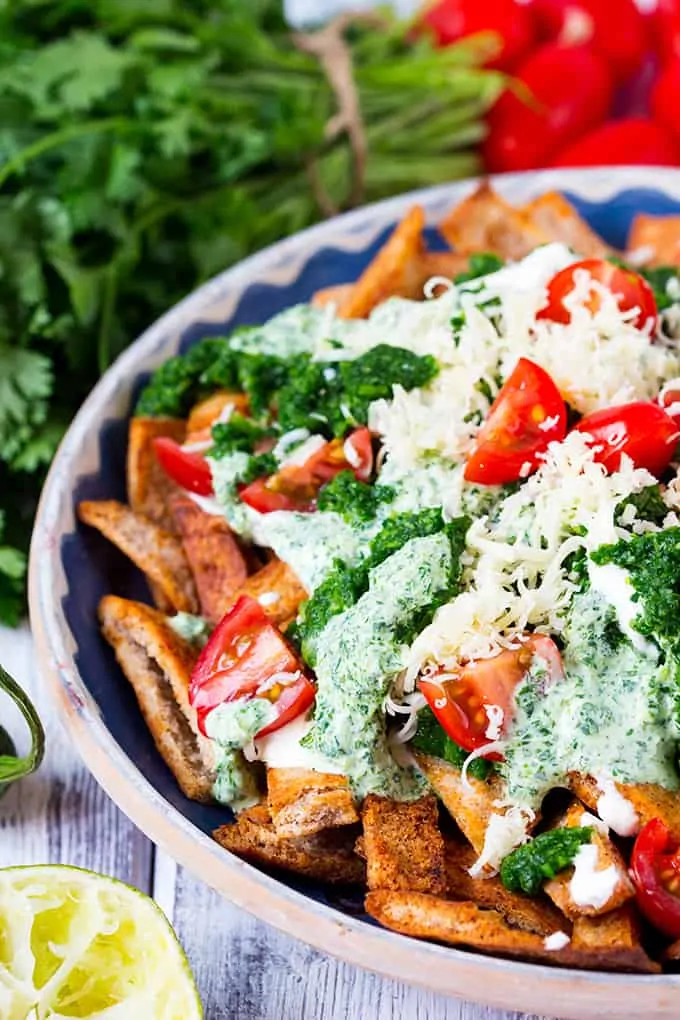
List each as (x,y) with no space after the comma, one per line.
(149,488)
(278,590)
(655,240)
(442,263)
(214,555)
(339,295)
(204,414)
(158,664)
(403,845)
(466,924)
(558,889)
(328,856)
(154,550)
(614,940)
(648,800)
(486,222)
(531,913)
(303,802)
(555,217)
(470,804)
(394,272)
(672,954)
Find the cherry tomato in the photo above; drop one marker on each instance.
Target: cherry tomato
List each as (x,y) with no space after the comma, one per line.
(634,141)
(630,289)
(188,469)
(571,89)
(640,430)
(295,487)
(477,702)
(664,98)
(655,868)
(621,40)
(666,23)
(451,20)
(248,657)
(525,417)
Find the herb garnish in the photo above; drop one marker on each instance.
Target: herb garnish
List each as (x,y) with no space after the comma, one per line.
(431,739)
(529,866)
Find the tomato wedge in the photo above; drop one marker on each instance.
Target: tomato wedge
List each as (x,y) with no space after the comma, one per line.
(295,487)
(525,417)
(189,469)
(630,289)
(641,430)
(475,706)
(655,868)
(248,657)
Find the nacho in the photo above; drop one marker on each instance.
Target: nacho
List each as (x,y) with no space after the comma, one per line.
(556,217)
(328,856)
(338,295)
(214,555)
(470,803)
(303,802)
(277,589)
(158,664)
(149,488)
(655,240)
(204,414)
(486,222)
(403,845)
(647,800)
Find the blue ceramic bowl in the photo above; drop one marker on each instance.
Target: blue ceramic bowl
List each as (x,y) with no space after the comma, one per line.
(73,567)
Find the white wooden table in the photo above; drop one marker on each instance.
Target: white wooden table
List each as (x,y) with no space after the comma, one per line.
(245,969)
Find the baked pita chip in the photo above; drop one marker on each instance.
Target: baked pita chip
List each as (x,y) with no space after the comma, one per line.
(394,272)
(655,240)
(214,554)
(278,590)
(339,295)
(470,803)
(558,889)
(486,222)
(442,263)
(647,800)
(303,802)
(672,954)
(556,217)
(204,414)
(149,488)
(614,940)
(158,664)
(530,913)
(466,924)
(328,856)
(156,552)
(403,845)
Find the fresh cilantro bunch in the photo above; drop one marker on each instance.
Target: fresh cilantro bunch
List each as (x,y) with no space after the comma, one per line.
(146,145)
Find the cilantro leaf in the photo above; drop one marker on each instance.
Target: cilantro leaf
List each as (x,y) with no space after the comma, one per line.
(12,581)
(26,381)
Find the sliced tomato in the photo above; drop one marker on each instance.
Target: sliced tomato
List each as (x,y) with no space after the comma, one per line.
(525,417)
(248,657)
(641,430)
(475,706)
(295,487)
(655,867)
(630,289)
(189,469)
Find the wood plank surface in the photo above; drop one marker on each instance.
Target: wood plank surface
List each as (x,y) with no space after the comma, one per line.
(245,970)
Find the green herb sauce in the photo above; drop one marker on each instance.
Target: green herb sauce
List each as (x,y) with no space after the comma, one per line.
(231,726)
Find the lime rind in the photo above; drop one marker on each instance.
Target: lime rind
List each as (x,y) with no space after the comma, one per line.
(74,944)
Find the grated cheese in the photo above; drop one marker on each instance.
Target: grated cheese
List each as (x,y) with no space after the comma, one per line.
(504,834)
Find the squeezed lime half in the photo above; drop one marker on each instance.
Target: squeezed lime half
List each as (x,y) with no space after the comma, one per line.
(77,944)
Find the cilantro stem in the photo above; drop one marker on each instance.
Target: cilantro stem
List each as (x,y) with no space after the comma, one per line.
(58,138)
(107,316)
(12,767)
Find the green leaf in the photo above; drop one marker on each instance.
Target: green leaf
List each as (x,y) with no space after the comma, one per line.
(26,381)
(11,767)
(12,581)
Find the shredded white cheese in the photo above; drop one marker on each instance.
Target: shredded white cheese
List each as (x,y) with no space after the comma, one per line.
(504,834)
(558,940)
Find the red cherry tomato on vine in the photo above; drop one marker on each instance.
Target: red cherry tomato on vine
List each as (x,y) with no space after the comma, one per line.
(664,98)
(452,20)
(640,430)
(666,26)
(525,417)
(188,469)
(475,705)
(655,867)
(248,657)
(619,34)
(570,91)
(630,289)
(634,141)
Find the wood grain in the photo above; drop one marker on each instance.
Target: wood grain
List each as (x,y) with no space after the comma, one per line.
(245,970)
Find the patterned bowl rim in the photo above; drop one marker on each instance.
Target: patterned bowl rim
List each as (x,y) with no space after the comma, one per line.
(495,981)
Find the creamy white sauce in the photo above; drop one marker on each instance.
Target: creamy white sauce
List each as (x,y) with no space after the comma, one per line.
(590,887)
(613,808)
(614,584)
(558,940)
